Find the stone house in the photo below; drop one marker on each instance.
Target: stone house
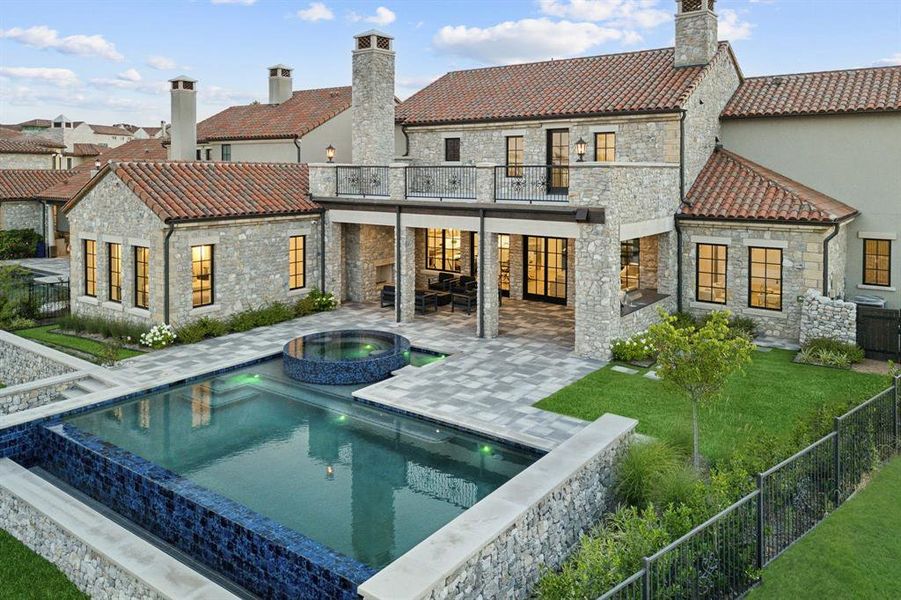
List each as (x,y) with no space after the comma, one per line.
(169,242)
(19,151)
(25,204)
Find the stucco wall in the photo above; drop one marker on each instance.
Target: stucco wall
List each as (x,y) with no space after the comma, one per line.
(26,161)
(853,158)
(21,215)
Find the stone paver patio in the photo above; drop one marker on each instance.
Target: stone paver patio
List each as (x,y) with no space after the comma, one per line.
(484,385)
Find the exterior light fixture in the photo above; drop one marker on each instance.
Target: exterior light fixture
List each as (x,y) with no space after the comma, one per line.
(97,164)
(580,149)
(330,472)
(330,153)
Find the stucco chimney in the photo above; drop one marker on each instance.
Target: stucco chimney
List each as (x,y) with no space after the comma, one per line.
(696,33)
(373,99)
(280,84)
(183,130)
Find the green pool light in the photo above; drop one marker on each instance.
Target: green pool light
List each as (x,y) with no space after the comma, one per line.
(342,418)
(485,449)
(245,378)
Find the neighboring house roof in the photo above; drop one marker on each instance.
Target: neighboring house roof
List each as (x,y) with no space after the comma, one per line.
(20,146)
(108,130)
(28,184)
(150,149)
(24,143)
(733,188)
(630,82)
(36,123)
(179,191)
(151,131)
(871,90)
(87,150)
(300,114)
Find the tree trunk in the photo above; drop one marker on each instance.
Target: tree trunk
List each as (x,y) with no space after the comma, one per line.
(696,437)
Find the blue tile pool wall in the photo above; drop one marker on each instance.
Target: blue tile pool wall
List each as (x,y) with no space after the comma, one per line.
(251,550)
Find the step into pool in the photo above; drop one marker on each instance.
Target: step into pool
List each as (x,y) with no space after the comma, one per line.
(296,467)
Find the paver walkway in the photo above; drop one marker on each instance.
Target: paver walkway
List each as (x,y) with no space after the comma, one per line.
(56,268)
(485,385)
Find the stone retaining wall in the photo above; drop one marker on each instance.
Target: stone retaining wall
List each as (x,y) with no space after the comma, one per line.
(23,397)
(20,365)
(823,317)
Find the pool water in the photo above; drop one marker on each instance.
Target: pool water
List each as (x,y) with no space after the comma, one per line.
(421,358)
(367,483)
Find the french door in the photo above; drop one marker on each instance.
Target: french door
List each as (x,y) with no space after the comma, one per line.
(558,161)
(545,260)
(503,257)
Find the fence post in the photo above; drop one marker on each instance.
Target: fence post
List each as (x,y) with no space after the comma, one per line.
(646,579)
(895,425)
(761,550)
(837,459)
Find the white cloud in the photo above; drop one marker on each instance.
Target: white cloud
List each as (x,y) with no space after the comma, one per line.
(383,16)
(41,36)
(527,39)
(407,85)
(214,94)
(731,27)
(161,63)
(643,14)
(242,2)
(60,77)
(317,11)
(889,61)
(129,75)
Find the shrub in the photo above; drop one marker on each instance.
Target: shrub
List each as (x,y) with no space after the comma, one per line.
(158,337)
(679,485)
(684,320)
(193,332)
(17,323)
(14,297)
(640,468)
(18,243)
(105,326)
(109,355)
(636,348)
(738,326)
(242,321)
(274,313)
(827,350)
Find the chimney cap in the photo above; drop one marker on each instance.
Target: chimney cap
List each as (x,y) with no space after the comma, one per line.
(281,66)
(374,32)
(183,78)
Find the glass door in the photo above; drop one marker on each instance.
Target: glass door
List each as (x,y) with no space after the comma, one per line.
(545,260)
(503,254)
(558,161)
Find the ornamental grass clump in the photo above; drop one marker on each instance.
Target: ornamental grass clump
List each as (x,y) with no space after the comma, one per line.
(159,337)
(828,352)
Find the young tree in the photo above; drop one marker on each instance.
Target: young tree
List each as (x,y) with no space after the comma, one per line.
(698,361)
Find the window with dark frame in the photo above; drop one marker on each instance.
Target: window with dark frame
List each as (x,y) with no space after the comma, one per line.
(209,154)
(765,282)
(297,262)
(629,265)
(877,262)
(452,149)
(515,155)
(90,268)
(443,250)
(198,154)
(202,275)
(226,152)
(142,277)
(710,273)
(605,147)
(114,271)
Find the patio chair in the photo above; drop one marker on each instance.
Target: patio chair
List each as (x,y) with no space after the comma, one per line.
(466,300)
(424,301)
(464,285)
(443,282)
(387,296)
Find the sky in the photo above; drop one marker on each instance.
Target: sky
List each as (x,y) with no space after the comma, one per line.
(108,61)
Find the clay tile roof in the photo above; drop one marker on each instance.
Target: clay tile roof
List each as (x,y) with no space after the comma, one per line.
(734,188)
(109,130)
(644,81)
(36,123)
(303,112)
(830,92)
(177,191)
(87,150)
(24,146)
(28,184)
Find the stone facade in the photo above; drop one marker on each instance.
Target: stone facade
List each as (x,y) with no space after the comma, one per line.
(822,317)
(367,248)
(488,277)
(26,214)
(373,103)
(20,365)
(695,37)
(802,269)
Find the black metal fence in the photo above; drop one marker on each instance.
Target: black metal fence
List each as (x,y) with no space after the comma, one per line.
(49,300)
(441,182)
(722,557)
(531,183)
(361,181)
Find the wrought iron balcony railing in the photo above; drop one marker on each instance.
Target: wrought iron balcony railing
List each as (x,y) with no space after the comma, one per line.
(441,182)
(532,183)
(361,181)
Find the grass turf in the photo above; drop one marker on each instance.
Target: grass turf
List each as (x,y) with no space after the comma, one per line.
(45,335)
(769,398)
(854,553)
(26,576)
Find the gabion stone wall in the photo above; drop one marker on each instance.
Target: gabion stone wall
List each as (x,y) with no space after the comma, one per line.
(823,317)
(19,365)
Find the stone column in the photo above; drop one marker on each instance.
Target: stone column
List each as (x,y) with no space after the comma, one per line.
(333,246)
(405,273)
(517,268)
(322,179)
(488,313)
(485,182)
(396,185)
(597,289)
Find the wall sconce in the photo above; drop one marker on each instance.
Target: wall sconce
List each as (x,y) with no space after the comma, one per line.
(97,164)
(330,153)
(580,149)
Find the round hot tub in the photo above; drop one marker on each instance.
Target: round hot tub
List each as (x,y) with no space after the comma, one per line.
(345,357)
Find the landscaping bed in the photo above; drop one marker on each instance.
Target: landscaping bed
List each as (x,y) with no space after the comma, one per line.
(25,574)
(82,347)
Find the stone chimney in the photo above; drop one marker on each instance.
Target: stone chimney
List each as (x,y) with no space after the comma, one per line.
(183,130)
(280,84)
(373,99)
(696,41)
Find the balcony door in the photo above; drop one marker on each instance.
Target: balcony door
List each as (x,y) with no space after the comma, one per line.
(558,161)
(545,260)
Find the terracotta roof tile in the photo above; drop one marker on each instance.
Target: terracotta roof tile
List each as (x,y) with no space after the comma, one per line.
(28,184)
(644,81)
(109,130)
(177,191)
(303,112)
(734,188)
(20,146)
(831,92)
(87,150)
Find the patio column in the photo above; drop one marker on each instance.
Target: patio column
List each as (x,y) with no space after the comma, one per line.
(597,289)
(404,272)
(488,304)
(333,249)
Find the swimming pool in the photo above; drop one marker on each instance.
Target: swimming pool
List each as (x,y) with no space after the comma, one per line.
(363,483)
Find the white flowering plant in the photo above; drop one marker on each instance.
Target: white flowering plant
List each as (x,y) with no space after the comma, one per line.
(158,337)
(634,349)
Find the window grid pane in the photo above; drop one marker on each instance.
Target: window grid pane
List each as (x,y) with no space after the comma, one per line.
(452,149)
(515,156)
(142,277)
(877,262)
(711,273)
(297,262)
(443,250)
(202,275)
(605,147)
(114,270)
(90,268)
(765,283)
(629,264)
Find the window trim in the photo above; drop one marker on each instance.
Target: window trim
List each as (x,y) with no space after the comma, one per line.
(444,253)
(725,287)
(781,277)
(110,272)
(597,134)
(223,155)
(863,274)
(514,169)
(90,283)
(459,149)
(142,288)
(302,262)
(212,286)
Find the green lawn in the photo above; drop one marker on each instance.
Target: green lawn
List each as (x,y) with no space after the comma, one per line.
(770,398)
(68,343)
(854,553)
(25,575)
